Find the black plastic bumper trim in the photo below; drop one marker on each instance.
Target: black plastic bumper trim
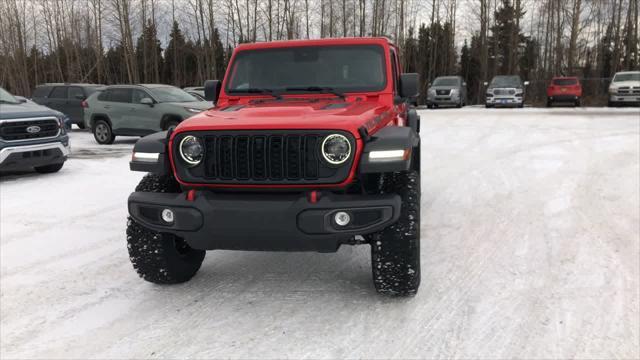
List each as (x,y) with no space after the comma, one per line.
(272,222)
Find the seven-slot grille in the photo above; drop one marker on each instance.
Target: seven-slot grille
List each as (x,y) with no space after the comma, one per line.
(27,129)
(282,157)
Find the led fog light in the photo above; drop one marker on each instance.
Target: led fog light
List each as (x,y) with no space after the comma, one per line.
(342,218)
(167,215)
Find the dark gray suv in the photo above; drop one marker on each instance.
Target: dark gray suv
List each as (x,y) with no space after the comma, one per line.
(31,136)
(66,98)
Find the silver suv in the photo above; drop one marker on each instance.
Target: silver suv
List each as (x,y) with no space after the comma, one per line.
(447,90)
(505,90)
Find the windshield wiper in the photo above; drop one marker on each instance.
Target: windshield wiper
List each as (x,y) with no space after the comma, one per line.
(322,90)
(257,91)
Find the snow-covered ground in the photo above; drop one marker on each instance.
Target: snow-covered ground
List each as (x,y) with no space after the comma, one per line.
(530,249)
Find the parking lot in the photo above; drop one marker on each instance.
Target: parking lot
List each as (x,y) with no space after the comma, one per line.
(530,249)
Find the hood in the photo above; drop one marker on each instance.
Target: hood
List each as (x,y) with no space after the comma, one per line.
(25,110)
(202,105)
(331,114)
(629,83)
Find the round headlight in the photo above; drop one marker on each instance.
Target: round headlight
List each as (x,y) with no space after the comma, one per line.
(336,149)
(191,150)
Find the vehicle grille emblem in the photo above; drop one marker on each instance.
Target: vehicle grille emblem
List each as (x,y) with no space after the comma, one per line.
(33,129)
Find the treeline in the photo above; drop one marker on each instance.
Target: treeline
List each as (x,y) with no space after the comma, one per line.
(184,42)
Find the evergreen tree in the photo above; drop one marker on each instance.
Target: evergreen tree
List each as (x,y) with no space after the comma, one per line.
(174,65)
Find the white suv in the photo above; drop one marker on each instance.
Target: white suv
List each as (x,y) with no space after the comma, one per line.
(625,88)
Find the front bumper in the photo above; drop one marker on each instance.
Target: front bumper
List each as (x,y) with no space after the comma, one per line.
(563,98)
(504,101)
(633,98)
(443,100)
(274,222)
(26,156)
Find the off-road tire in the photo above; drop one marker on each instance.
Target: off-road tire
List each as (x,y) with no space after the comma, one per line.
(549,103)
(395,251)
(577,103)
(47,169)
(159,257)
(488,106)
(103,133)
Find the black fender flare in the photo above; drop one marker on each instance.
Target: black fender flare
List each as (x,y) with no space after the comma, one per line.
(156,143)
(390,138)
(100,116)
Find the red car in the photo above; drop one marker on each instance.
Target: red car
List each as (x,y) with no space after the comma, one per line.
(564,90)
(312,144)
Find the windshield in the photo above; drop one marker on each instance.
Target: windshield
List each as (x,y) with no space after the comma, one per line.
(308,69)
(627,77)
(7,98)
(446,82)
(171,94)
(563,82)
(506,81)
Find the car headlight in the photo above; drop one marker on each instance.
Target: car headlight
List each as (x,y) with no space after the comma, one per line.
(613,90)
(454,91)
(191,150)
(193,110)
(336,149)
(432,92)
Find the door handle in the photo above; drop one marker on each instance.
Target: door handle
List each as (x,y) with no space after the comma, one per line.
(107,106)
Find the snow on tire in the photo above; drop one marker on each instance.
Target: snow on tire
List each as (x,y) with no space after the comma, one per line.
(159,257)
(395,251)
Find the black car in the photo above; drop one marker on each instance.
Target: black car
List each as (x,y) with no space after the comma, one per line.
(66,98)
(31,136)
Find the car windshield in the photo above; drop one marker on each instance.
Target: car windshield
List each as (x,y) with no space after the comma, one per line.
(563,82)
(171,94)
(506,81)
(627,77)
(320,69)
(7,98)
(447,81)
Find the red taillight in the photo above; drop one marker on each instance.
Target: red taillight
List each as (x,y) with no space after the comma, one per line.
(84,104)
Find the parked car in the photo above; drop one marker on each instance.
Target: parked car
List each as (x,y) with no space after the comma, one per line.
(306,150)
(625,88)
(197,91)
(138,110)
(66,98)
(31,136)
(564,90)
(447,90)
(505,90)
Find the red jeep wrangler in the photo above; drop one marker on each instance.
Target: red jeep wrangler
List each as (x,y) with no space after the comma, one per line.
(310,145)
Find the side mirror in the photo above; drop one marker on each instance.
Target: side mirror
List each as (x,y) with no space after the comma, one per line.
(409,85)
(212,90)
(464,84)
(80,97)
(146,101)
(526,83)
(486,83)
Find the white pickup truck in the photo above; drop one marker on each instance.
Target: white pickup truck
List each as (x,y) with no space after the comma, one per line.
(625,88)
